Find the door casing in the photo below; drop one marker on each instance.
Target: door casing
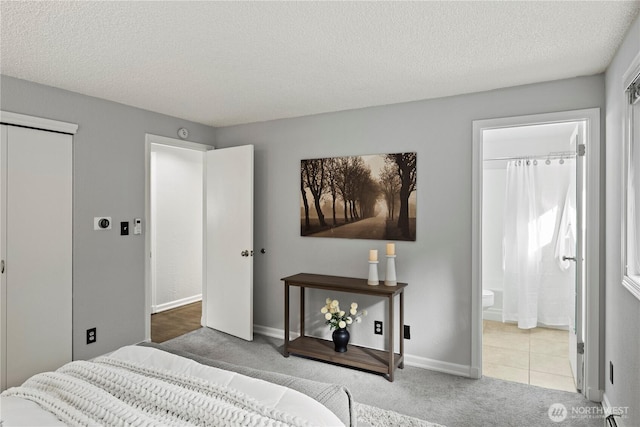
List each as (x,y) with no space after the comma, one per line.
(162,140)
(593,327)
(245,332)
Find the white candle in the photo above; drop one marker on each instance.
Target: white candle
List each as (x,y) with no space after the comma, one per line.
(391,248)
(373,255)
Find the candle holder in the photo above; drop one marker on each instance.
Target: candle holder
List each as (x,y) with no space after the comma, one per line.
(373,274)
(390,279)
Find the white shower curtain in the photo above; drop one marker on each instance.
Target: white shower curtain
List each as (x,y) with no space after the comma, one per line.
(539,229)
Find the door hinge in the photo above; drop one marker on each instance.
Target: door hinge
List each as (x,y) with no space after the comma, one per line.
(580,348)
(582,149)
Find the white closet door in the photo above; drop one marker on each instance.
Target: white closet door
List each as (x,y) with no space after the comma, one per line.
(3,251)
(38,252)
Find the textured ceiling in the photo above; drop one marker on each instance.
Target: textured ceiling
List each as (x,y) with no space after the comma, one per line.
(224,63)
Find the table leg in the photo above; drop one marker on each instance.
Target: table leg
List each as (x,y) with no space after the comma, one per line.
(391,340)
(286,320)
(401,365)
(301,311)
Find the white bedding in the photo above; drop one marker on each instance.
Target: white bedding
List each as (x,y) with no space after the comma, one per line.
(16,411)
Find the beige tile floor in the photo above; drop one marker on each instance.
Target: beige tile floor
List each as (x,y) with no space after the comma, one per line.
(537,356)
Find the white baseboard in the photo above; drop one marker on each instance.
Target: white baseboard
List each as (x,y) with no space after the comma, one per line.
(606,405)
(608,408)
(409,360)
(177,303)
(438,365)
(595,395)
(474,373)
(273,332)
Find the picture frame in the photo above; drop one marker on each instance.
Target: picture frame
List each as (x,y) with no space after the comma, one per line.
(359,197)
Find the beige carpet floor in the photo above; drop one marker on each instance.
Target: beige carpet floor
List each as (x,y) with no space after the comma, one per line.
(427,395)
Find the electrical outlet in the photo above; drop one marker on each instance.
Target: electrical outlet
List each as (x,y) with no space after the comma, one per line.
(377,327)
(407,332)
(91,336)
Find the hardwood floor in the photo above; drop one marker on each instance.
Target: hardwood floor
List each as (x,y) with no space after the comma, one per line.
(175,322)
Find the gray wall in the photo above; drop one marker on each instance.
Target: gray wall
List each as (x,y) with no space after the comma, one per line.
(438,265)
(109,180)
(622,344)
(108,270)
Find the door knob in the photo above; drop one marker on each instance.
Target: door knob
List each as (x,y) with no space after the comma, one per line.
(244,253)
(569,258)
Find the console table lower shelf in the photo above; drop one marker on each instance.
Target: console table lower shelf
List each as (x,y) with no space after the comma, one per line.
(356,356)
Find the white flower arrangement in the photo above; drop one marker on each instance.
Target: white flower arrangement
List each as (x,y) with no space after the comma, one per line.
(337,318)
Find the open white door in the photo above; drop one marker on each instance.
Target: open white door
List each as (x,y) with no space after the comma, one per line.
(228,296)
(576,336)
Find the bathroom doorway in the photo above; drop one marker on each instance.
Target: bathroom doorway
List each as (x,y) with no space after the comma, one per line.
(530,257)
(530,239)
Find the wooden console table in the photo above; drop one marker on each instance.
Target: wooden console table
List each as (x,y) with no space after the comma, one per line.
(384,362)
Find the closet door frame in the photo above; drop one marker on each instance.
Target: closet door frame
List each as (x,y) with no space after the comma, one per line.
(37,123)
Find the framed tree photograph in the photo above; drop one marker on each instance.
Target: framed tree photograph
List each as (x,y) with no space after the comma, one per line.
(359,197)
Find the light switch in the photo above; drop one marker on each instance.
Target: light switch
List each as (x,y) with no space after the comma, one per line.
(124,228)
(137,226)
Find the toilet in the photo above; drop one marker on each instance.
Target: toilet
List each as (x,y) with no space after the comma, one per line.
(487,299)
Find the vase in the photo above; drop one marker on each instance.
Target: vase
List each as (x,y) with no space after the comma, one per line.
(340,339)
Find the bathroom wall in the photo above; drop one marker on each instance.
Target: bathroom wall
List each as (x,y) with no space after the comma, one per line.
(493,187)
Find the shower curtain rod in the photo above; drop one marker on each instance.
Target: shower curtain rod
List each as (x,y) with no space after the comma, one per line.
(550,156)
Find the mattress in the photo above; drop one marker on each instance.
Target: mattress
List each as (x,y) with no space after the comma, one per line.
(16,410)
(336,397)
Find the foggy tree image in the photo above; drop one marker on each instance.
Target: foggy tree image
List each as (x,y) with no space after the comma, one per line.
(406,167)
(332,185)
(343,171)
(307,224)
(390,187)
(367,197)
(314,178)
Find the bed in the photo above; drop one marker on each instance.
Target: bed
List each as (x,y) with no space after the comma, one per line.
(148,385)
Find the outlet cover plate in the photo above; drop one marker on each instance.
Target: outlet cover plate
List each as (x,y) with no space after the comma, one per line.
(377,327)
(91,336)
